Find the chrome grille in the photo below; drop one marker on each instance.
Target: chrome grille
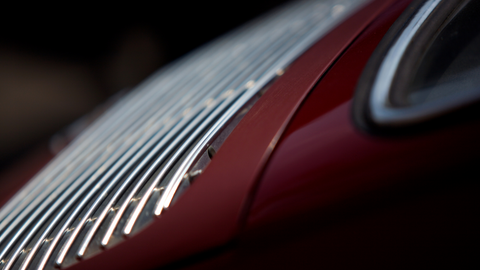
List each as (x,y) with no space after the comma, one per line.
(127,166)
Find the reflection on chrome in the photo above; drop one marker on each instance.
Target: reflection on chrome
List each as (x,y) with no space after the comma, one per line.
(130,162)
(444,97)
(379,99)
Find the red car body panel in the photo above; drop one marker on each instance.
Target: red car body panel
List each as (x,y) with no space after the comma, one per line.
(323,157)
(210,213)
(296,150)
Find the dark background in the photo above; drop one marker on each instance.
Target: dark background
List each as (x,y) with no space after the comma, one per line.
(56,66)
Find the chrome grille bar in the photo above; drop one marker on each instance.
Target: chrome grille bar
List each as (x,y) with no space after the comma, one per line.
(137,187)
(158,129)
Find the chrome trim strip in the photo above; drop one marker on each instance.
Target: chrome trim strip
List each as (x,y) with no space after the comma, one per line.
(381,110)
(152,127)
(118,122)
(166,198)
(119,151)
(137,187)
(177,154)
(138,141)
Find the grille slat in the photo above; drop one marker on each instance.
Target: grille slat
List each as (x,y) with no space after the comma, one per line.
(151,138)
(122,209)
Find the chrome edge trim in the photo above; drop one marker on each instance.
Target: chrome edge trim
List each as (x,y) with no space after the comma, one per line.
(381,110)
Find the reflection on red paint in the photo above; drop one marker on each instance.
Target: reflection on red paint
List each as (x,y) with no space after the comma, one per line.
(323,159)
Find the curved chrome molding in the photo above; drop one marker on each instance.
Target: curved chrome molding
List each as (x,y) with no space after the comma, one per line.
(381,110)
(380,107)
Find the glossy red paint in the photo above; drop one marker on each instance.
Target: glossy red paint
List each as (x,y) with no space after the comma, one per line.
(323,160)
(210,213)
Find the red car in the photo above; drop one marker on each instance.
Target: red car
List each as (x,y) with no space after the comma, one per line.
(326,134)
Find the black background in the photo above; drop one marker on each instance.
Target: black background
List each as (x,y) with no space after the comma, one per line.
(58,63)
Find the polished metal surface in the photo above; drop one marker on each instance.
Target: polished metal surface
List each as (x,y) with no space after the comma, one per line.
(381,110)
(126,168)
